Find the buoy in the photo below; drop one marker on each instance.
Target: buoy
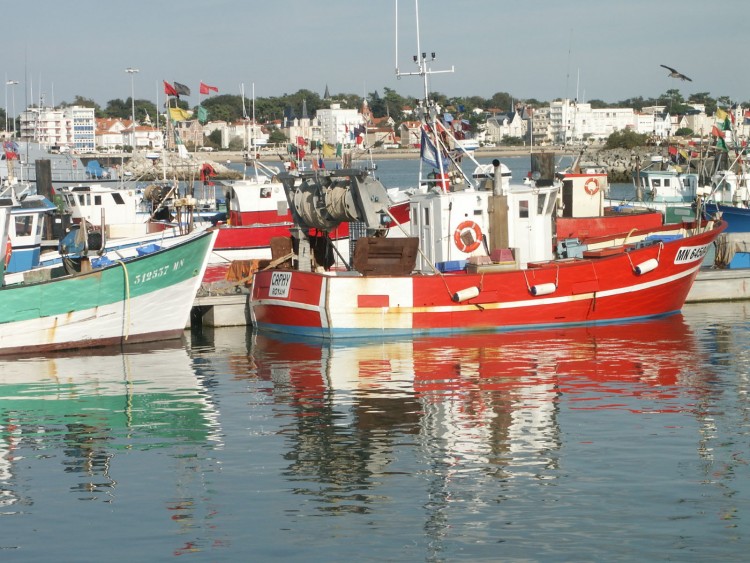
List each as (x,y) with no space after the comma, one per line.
(647,266)
(467,236)
(465,294)
(591,186)
(543,289)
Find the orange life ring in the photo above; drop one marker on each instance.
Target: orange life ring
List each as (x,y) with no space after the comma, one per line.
(591,186)
(8,252)
(463,239)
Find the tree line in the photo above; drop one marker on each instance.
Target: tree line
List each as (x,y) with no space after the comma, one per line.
(230,108)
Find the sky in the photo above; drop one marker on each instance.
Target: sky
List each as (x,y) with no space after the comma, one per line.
(609,50)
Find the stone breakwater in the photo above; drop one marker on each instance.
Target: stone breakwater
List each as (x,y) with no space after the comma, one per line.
(620,163)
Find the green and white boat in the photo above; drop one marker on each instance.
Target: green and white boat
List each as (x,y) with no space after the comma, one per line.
(142,299)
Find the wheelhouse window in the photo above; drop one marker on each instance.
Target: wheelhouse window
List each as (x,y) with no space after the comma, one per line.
(523,209)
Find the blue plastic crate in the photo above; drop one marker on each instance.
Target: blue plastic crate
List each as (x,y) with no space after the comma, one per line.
(663,238)
(101,262)
(451,266)
(147,249)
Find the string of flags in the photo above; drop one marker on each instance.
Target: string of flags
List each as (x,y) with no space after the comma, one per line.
(176,89)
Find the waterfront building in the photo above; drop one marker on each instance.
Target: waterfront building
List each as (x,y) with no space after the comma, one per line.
(337,124)
(73,126)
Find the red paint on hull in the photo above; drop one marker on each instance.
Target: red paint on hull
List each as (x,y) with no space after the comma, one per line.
(586,291)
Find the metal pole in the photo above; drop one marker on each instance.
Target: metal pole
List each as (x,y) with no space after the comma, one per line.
(10,83)
(131,71)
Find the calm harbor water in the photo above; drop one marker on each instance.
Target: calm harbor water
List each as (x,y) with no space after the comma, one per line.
(607,443)
(615,443)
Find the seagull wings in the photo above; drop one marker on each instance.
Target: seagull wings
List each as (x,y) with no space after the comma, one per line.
(675,74)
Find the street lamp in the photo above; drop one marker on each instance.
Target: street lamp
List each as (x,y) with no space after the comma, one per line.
(13,92)
(131,72)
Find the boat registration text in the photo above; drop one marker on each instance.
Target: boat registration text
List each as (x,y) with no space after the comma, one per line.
(690,254)
(280,282)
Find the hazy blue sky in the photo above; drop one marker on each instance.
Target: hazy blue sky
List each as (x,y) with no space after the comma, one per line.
(545,49)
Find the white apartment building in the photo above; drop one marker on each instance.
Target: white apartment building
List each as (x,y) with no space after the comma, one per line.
(337,124)
(573,122)
(74,127)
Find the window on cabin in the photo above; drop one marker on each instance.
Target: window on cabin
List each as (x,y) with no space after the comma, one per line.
(656,182)
(551,204)
(540,199)
(118,199)
(97,200)
(523,209)
(23,226)
(666,182)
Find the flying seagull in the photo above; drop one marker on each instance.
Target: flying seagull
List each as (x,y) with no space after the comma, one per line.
(674,74)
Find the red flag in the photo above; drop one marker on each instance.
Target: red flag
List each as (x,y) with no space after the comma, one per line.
(716,132)
(169,90)
(301,141)
(205,88)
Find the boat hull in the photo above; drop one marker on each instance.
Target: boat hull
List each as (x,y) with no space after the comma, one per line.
(142,300)
(570,292)
(737,218)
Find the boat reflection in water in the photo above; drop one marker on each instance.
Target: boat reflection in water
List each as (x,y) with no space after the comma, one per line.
(81,409)
(483,402)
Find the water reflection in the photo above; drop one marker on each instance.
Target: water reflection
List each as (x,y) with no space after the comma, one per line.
(485,406)
(81,410)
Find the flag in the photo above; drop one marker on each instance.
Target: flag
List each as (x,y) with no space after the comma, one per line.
(11,150)
(202,114)
(716,132)
(301,141)
(179,114)
(720,114)
(169,90)
(206,172)
(181,89)
(205,88)
(429,153)
(329,150)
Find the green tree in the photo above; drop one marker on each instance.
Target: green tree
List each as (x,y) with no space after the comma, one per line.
(626,139)
(214,139)
(277,137)
(500,100)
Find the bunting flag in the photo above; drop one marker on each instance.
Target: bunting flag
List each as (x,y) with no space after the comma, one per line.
(202,114)
(206,172)
(329,150)
(179,114)
(205,88)
(181,89)
(169,90)
(720,114)
(339,149)
(429,153)
(11,150)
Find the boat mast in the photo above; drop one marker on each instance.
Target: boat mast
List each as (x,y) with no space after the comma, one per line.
(427,110)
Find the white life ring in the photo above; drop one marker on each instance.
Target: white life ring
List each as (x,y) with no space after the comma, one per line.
(591,186)
(463,232)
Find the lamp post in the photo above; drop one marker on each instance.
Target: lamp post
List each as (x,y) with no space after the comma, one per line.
(13,93)
(131,72)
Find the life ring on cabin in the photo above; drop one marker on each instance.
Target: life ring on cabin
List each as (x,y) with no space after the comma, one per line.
(467,236)
(8,252)
(591,186)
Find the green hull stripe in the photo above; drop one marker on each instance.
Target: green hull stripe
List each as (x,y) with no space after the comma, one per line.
(138,277)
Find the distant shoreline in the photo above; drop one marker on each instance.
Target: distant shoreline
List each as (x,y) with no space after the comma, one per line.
(389,154)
